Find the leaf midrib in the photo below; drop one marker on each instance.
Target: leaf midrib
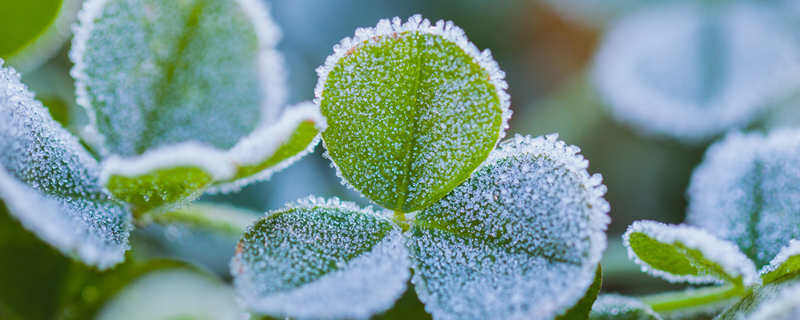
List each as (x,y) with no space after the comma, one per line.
(411,142)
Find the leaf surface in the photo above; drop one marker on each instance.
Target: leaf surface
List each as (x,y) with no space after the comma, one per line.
(778,300)
(32,31)
(786,263)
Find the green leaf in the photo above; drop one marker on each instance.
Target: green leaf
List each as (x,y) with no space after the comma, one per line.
(681,253)
(617,307)
(778,300)
(32,31)
(155,73)
(412,110)
(786,263)
(321,259)
(746,191)
(211,217)
(521,239)
(584,306)
(50,183)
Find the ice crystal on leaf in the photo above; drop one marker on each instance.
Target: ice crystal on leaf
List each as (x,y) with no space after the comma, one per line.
(50,183)
(775,301)
(669,69)
(617,307)
(747,190)
(520,239)
(786,263)
(683,253)
(321,259)
(412,109)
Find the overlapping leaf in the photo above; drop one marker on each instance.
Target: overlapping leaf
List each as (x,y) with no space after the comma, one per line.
(785,264)
(412,110)
(33,31)
(775,301)
(521,239)
(321,260)
(51,184)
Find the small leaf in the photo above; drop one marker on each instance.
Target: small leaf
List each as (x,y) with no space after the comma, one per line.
(321,259)
(617,307)
(34,31)
(582,309)
(698,67)
(163,179)
(786,263)
(747,190)
(274,147)
(521,239)
(412,109)
(50,183)
(154,73)
(681,253)
(778,300)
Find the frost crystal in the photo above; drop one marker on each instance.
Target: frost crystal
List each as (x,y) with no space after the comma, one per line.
(521,239)
(712,254)
(321,259)
(412,109)
(50,183)
(785,306)
(614,306)
(786,262)
(724,63)
(153,73)
(747,190)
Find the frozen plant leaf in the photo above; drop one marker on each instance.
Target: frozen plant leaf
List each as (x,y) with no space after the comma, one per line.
(412,109)
(33,31)
(786,263)
(321,259)
(680,253)
(582,309)
(709,61)
(274,147)
(617,307)
(521,239)
(775,301)
(50,183)
(747,190)
(154,73)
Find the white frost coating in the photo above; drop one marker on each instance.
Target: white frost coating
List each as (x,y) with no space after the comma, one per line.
(50,183)
(790,250)
(49,41)
(612,306)
(520,239)
(262,143)
(321,259)
(188,154)
(784,306)
(416,23)
(721,252)
(747,190)
(663,84)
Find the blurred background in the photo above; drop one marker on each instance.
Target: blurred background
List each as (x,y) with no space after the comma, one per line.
(549,50)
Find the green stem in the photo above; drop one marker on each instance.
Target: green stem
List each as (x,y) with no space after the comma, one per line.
(212,217)
(671,301)
(400,219)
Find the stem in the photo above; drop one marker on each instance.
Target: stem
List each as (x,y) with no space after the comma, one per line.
(671,301)
(216,218)
(400,219)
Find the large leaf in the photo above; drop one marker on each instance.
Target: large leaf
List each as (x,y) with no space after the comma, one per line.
(617,307)
(32,31)
(779,300)
(50,183)
(680,253)
(153,73)
(668,69)
(321,260)
(521,239)
(412,110)
(785,264)
(747,190)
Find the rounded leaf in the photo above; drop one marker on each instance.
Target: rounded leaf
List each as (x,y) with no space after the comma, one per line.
(321,260)
(668,69)
(412,110)
(747,190)
(521,239)
(153,73)
(50,183)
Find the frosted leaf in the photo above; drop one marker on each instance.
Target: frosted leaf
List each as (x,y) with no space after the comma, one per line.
(775,301)
(412,109)
(50,183)
(274,147)
(669,69)
(154,73)
(617,307)
(35,30)
(681,253)
(747,190)
(321,259)
(786,263)
(521,239)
